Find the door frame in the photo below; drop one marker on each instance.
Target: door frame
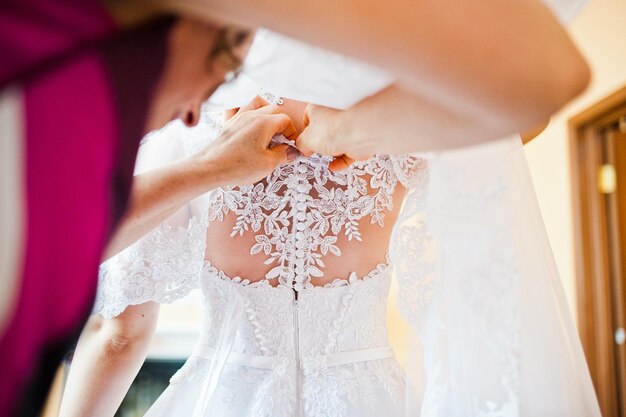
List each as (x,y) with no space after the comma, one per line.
(592,257)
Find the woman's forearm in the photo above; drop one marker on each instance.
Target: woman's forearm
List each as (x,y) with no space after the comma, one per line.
(240,155)
(509,60)
(108,356)
(398,121)
(158,194)
(393,121)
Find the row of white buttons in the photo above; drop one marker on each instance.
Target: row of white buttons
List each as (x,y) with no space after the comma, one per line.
(301,243)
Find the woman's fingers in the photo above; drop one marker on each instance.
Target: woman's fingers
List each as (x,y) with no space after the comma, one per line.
(321,132)
(340,163)
(256,103)
(305,118)
(303,142)
(228,114)
(310,142)
(270,119)
(281,124)
(283,153)
(260,105)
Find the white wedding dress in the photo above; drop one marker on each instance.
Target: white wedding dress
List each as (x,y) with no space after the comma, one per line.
(294,348)
(305,335)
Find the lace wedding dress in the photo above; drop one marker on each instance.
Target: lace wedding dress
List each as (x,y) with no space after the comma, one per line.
(295,272)
(293,347)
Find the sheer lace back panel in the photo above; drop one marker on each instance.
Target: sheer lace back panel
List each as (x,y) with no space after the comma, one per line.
(305,225)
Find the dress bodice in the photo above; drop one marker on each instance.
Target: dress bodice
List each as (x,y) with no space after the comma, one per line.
(295,225)
(301,226)
(302,345)
(347,315)
(323,354)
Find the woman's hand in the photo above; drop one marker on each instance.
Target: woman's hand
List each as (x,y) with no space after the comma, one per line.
(326,131)
(241,154)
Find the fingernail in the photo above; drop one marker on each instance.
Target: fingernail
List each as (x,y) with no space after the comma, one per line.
(292,153)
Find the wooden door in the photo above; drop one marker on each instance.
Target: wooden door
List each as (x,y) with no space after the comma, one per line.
(614,146)
(599,187)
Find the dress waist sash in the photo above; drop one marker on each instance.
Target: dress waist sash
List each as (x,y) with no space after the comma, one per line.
(268,362)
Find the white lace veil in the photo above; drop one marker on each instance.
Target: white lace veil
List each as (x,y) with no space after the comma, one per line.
(479,287)
(490,333)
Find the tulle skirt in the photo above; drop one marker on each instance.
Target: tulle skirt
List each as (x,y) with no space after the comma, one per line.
(360,389)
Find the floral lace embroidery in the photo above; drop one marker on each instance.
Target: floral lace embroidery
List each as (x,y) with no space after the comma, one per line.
(300,209)
(164,266)
(489,273)
(341,317)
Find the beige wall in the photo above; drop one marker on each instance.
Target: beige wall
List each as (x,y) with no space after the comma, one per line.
(600,32)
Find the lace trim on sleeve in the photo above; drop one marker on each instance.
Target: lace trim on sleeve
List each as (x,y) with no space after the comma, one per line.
(411,169)
(164,266)
(412,250)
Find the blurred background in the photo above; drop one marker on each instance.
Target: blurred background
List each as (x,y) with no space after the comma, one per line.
(579,169)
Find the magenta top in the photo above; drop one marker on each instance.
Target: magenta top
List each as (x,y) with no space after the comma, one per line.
(35,31)
(85,89)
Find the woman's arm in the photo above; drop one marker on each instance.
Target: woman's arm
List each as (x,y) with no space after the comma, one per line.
(533,133)
(392,121)
(108,356)
(240,155)
(484,60)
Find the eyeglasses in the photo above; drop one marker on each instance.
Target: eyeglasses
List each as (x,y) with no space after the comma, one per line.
(228,39)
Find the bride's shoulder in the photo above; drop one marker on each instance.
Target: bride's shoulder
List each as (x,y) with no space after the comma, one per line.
(411,169)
